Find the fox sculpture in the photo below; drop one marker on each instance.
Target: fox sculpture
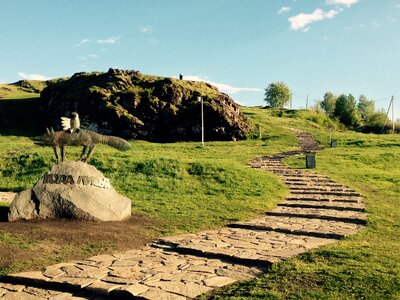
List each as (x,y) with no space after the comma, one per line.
(86,138)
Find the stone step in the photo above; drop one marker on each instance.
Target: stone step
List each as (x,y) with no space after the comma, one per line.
(329,212)
(317,198)
(295,189)
(325,205)
(324,193)
(302,174)
(257,247)
(323,214)
(304,179)
(312,184)
(301,226)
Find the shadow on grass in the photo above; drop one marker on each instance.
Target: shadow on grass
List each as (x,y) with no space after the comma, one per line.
(21,117)
(3,213)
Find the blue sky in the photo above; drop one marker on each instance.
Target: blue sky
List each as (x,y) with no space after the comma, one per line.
(343,46)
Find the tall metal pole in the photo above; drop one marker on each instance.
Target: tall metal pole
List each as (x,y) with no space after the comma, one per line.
(202,120)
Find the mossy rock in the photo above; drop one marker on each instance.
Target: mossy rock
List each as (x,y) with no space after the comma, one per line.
(129,104)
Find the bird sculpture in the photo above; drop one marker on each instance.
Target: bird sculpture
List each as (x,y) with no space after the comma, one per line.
(71,124)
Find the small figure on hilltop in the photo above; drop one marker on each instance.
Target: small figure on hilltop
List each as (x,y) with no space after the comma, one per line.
(71,124)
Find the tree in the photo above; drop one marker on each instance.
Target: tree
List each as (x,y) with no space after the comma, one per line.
(366,108)
(278,94)
(346,110)
(328,104)
(375,122)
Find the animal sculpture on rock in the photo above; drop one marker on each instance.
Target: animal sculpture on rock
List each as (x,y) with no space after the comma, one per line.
(86,138)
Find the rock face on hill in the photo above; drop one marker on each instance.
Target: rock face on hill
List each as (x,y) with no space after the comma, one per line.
(133,105)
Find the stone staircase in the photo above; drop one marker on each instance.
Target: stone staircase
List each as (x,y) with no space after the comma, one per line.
(317,212)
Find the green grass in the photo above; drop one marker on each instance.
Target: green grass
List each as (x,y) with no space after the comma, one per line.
(11,91)
(187,188)
(364,266)
(183,186)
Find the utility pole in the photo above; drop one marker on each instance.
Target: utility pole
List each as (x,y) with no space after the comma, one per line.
(307,102)
(387,115)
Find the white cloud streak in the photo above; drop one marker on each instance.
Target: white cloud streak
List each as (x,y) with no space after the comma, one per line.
(284,10)
(84,41)
(110,40)
(347,3)
(301,21)
(146,29)
(223,87)
(27,76)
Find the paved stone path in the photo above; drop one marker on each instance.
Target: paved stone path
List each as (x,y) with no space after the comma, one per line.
(317,212)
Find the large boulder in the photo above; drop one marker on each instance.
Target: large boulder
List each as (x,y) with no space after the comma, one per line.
(72,190)
(129,104)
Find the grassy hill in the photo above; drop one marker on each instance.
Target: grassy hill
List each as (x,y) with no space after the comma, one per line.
(19,113)
(183,187)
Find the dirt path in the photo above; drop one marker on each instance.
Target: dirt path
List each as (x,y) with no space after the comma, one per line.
(317,212)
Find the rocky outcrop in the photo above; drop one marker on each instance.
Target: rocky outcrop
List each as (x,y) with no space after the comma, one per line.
(133,105)
(71,190)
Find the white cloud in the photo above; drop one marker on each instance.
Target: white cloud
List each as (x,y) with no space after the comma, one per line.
(283,10)
(84,41)
(26,76)
(300,21)
(110,40)
(93,55)
(391,19)
(347,3)
(146,29)
(223,87)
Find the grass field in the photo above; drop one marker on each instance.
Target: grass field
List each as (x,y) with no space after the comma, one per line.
(364,266)
(186,188)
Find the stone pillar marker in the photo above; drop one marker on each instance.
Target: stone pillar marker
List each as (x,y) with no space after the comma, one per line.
(71,190)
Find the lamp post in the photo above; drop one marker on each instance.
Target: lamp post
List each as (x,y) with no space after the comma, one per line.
(200,99)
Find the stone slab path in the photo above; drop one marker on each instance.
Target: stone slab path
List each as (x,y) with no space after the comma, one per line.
(317,212)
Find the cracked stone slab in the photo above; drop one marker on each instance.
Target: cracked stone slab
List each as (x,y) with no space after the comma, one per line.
(325,204)
(143,272)
(350,216)
(303,226)
(252,246)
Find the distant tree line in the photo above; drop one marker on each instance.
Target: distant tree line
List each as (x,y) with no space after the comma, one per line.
(343,109)
(356,115)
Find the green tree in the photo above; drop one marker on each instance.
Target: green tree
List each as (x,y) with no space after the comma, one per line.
(366,108)
(328,104)
(375,122)
(346,110)
(278,94)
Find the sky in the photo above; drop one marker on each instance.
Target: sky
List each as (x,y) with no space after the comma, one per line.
(241,46)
